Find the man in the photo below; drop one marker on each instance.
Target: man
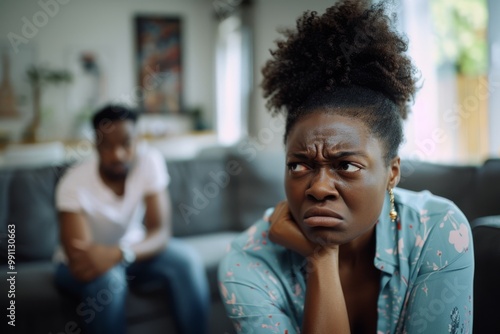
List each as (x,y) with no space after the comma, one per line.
(115,230)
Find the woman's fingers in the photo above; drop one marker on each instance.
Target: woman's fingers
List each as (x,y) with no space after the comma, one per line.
(279,219)
(285,231)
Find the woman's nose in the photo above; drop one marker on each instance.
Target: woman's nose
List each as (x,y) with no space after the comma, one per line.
(322,186)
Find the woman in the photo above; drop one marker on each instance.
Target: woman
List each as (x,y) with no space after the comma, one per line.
(348,253)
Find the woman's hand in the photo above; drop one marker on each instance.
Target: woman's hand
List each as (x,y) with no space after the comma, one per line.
(324,306)
(285,231)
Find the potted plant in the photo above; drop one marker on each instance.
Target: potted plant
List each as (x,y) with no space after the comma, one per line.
(40,77)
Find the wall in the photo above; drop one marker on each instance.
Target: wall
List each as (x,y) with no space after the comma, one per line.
(107,25)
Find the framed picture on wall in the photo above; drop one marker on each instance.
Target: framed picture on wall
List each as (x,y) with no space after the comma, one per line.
(159,68)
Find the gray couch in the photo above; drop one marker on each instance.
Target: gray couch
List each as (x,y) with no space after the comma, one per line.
(214,196)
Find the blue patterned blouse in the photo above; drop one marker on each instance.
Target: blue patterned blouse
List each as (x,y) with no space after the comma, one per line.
(425,258)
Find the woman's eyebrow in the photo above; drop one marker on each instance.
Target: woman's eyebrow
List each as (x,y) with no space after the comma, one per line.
(342,154)
(332,156)
(301,155)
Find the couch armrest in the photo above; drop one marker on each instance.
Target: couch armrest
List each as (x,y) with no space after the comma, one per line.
(486,234)
(490,221)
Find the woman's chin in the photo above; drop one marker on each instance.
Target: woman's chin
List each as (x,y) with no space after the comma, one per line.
(326,237)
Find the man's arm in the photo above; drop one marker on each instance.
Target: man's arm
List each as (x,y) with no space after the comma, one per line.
(86,260)
(158,225)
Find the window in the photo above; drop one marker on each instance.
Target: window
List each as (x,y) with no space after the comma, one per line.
(233,68)
(449,44)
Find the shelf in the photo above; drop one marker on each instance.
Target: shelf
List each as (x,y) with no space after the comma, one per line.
(173,147)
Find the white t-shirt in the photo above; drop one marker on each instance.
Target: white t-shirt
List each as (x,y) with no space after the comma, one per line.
(112,219)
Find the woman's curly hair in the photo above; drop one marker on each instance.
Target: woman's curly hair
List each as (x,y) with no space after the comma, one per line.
(330,59)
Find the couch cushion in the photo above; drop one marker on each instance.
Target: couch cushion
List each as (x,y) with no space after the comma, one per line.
(487,196)
(456,183)
(32,210)
(200,200)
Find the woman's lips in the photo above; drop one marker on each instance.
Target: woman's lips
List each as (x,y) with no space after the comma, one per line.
(321,217)
(322,221)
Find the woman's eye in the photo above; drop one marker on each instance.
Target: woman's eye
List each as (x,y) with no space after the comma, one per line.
(348,167)
(296,167)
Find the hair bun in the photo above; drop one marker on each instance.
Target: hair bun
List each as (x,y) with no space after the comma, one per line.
(351,44)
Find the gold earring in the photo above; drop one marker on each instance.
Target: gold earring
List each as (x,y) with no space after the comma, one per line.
(392,214)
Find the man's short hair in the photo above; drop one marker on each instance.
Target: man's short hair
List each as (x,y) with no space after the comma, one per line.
(112,113)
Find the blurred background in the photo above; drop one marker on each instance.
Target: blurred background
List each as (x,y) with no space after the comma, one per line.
(192,67)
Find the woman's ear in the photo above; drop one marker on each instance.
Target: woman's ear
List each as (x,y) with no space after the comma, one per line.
(394,172)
